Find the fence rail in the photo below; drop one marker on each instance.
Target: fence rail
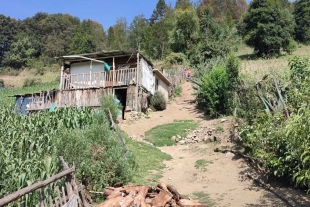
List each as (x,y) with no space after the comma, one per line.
(70,194)
(104,79)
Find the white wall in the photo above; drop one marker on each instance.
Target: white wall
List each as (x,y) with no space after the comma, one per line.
(162,87)
(84,67)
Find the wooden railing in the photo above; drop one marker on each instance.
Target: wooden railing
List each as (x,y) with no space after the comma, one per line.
(104,79)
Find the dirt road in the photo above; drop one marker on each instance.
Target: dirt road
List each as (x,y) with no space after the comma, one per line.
(222,181)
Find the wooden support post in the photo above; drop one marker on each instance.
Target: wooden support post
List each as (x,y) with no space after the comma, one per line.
(61,85)
(113,78)
(90,74)
(137,83)
(61,75)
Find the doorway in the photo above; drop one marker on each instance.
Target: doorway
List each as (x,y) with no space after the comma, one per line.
(121,95)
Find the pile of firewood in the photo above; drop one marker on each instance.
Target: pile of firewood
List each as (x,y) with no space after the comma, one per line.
(161,195)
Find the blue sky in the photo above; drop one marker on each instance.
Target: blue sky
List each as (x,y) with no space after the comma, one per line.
(104,11)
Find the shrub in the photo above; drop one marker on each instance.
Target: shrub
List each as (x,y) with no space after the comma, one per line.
(214,91)
(158,101)
(31,82)
(290,47)
(102,160)
(108,103)
(177,91)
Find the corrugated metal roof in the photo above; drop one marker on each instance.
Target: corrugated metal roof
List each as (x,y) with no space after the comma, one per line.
(100,55)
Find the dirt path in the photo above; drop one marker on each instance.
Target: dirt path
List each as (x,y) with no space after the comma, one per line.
(222,180)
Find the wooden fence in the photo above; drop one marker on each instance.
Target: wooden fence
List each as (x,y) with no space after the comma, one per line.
(69,195)
(104,79)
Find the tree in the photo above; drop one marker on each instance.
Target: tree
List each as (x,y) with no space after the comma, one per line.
(302,19)
(215,39)
(185,33)
(20,53)
(267,27)
(120,34)
(8,30)
(110,38)
(83,41)
(136,31)
(228,11)
(159,12)
(183,4)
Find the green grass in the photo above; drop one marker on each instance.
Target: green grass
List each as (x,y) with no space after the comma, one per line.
(202,164)
(149,161)
(202,197)
(161,135)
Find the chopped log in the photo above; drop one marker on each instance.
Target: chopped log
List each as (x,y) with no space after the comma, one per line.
(164,187)
(139,200)
(128,200)
(119,184)
(161,199)
(113,202)
(190,203)
(115,193)
(108,191)
(176,195)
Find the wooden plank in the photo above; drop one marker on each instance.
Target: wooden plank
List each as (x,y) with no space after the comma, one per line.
(64,197)
(51,202)
(16,195)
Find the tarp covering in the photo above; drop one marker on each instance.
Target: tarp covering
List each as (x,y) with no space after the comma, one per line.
(147,76)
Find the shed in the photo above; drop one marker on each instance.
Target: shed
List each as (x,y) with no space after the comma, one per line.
(162,84)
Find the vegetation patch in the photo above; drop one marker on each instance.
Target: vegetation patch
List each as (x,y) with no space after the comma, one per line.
(202,197)
(149,161)
(202,164)
(161,135)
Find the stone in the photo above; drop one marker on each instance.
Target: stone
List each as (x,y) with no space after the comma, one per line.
(182,142)
(223,120)
(179,137)
(173,138)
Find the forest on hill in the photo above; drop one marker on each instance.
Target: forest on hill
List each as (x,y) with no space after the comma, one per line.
(180,29)
(189,31)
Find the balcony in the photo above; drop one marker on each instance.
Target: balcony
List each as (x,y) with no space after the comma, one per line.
(120,77)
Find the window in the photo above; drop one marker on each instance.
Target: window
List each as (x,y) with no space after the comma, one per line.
(156,84)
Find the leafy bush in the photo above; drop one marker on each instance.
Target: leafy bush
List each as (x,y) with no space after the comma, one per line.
(290,47)
(214,91)
(31,82)
(108,103)
(216,83)
(177,91)
(158,101)
(280,142)
(102,161)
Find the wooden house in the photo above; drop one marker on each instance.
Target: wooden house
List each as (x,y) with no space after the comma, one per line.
(85,78)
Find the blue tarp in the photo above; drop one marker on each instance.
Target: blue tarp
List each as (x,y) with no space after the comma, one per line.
(21,104)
